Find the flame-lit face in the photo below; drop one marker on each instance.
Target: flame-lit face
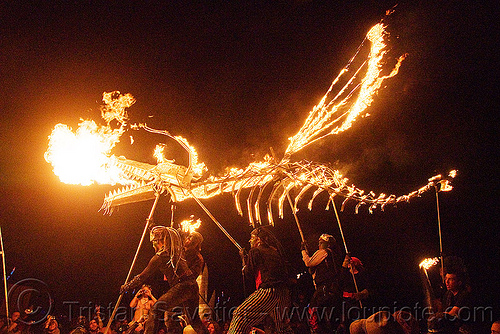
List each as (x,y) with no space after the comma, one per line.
(146,290)
(156,236)
(254,240)
(93,325)
(15,315)
(193,241)
(452,282)
(157,245)
(52,325)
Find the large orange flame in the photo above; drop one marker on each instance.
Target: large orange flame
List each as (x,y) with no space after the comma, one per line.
(336,114)
(82,157)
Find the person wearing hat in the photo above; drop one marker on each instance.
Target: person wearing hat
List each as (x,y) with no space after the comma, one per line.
(324,267)
(265,263)
(354,284)
(170,261)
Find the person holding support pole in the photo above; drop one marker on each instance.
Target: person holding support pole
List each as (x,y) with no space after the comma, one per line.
(264,262)
(353,296)
(324,267)
(169,259)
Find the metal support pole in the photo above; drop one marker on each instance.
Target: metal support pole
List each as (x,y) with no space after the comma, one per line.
(216,222)
(4,278)
(440,236)
(345,246)
(240,249)
(296,220)
(148,221)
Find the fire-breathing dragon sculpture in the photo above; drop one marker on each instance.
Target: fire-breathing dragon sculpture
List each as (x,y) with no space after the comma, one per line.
(272,179)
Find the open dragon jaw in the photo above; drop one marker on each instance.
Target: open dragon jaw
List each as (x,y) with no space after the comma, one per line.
(85,156)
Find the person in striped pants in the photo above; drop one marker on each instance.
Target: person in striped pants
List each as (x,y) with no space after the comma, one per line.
(265,263)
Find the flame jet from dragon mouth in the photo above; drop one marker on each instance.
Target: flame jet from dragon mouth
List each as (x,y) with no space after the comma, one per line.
(272,179)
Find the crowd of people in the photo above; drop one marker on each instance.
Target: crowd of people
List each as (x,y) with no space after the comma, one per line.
(341,284)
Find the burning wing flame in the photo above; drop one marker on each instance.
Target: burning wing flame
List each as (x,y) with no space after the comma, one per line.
(338,109)
(91,147)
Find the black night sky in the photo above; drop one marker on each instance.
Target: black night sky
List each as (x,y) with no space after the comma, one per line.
(236,78)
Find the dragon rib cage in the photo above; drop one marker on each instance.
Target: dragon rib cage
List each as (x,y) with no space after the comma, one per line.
(149,180)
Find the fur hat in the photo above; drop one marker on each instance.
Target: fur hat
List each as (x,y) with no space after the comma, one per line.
(379,323)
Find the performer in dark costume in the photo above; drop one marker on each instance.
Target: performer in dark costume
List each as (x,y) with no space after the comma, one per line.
(356,291)
(265,263)
(457,306)
(192,248)
(169,259)
(324,267)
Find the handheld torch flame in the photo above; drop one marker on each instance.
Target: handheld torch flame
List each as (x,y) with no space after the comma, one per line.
(428,263)
(190,225)
(445,185)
